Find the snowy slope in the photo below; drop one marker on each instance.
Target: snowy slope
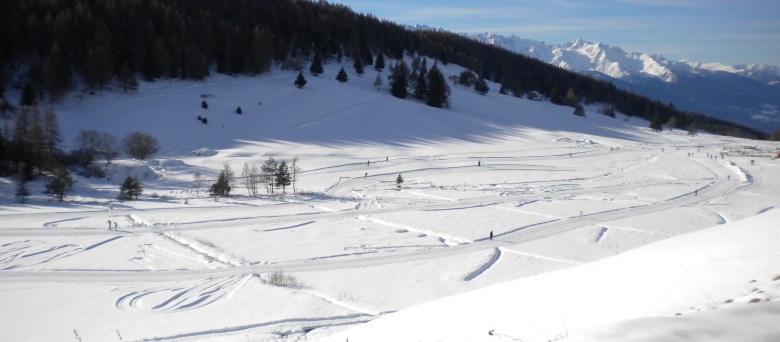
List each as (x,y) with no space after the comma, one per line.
(700,282)
(556,190)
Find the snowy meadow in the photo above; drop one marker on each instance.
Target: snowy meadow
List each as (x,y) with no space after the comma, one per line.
(515,221)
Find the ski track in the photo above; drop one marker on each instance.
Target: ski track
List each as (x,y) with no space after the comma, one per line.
(449,240)
(484,268)
(176,299)
(537,256)
(311,323)
(343,304)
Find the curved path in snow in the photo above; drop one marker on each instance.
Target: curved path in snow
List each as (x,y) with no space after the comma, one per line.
(717,187)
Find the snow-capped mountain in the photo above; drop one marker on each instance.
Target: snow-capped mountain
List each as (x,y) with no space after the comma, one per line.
(747,94)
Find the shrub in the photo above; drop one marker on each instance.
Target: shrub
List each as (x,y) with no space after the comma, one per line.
(279,278)
(140,145)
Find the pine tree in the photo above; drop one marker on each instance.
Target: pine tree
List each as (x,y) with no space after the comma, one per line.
(316,65)
(399,80)
(421,83)
(300,81)
(379,63)
(221,187)
(51,130)
(342,76)
(481,86)
(438,91)
(239,111)
(358,65)
(579,110)
(60,184)
(131,188)
(22,192)
(204,105)
(283,178)
(656,122)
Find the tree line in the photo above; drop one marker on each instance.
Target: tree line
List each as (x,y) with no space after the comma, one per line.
(271,175)
(48,47)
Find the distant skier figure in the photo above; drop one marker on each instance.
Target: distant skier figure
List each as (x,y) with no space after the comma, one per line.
(491,235)
(365,176)
(696,192)
(109,224)
(368,163)
(479,163)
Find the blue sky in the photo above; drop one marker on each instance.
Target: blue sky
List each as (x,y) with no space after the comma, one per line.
(725,31)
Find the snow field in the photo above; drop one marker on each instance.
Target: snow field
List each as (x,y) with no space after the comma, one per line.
(180,265)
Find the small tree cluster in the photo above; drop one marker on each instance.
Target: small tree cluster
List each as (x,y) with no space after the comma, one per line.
(130,188)
(93,144)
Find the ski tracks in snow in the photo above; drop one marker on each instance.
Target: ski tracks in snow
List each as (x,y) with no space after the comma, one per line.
(175,299)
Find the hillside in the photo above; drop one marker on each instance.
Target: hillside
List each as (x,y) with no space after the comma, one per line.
(556,190)
(52,48)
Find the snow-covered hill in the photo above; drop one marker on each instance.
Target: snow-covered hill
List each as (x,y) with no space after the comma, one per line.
(696,285)
(746,94)
(555,190)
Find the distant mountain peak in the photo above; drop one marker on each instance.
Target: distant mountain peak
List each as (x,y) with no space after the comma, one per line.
(739,93)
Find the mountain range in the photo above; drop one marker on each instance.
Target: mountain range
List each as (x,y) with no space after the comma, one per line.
(745,94)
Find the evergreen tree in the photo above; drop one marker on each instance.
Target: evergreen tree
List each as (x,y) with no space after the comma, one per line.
(656,122)
(22,192)
(300,81)
(316,65)
(481,86)
(579,110)
(399,80)
(503,90)
(51,130)
(239,111)
(379,63)
(421,82)
(204,105)
(131,188)
(60,184)
(283,178)
(221,187)
(358,65)
(438,92)
(342,76)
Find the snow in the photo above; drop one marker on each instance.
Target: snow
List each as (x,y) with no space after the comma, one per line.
(592,218)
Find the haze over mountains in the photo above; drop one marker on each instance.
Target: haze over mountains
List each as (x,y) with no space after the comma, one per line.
(745,94)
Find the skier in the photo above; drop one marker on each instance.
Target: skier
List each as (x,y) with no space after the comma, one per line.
(491,235)
(387,158)
(109,224)
(365,176)
(479,163)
